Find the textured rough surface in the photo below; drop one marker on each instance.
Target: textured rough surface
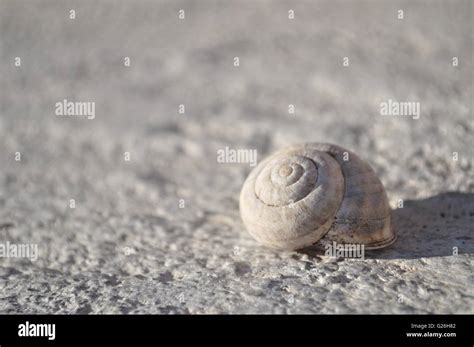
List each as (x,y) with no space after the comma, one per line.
(128,247)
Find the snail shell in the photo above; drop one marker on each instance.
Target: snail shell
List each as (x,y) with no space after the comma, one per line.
(303,193)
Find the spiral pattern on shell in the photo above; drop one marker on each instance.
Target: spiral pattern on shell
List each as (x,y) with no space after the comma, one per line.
(301,194)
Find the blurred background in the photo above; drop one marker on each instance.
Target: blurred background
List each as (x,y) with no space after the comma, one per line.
(161,233)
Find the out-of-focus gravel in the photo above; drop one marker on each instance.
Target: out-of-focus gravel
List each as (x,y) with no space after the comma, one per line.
(128,247)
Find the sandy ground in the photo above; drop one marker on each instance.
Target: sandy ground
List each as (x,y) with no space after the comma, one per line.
(128,247)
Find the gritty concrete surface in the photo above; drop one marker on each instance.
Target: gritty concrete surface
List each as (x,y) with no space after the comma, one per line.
(128,247)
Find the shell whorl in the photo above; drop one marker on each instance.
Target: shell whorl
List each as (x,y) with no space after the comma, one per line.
(303,193)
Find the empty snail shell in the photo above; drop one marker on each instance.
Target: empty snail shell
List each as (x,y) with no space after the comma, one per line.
(301,194)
